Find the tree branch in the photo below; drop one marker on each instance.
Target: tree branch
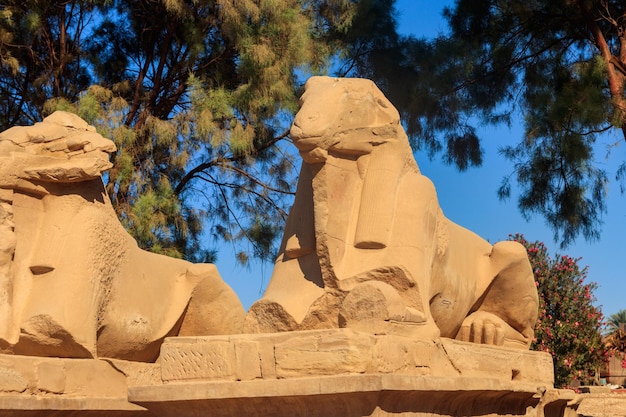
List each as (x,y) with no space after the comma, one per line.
(615,80)
(180,187)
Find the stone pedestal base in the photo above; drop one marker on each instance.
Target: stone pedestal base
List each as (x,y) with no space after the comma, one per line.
(347,396)
(339,372)
(346,373)
(51,387)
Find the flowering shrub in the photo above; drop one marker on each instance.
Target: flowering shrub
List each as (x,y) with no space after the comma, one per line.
(568,325)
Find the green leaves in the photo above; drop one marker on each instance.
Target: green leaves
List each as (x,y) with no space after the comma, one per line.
(463,150)
(32,21)
(555,164)
(150,219)
(562,78)
(568,325)
(555,64)
(272,39)
(7,60)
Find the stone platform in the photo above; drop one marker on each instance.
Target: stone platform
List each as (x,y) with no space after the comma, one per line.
(315,353)
(315,373)
(346,373)
(51,387)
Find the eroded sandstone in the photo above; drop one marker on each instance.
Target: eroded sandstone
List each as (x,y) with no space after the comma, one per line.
(366,245)
(73,282)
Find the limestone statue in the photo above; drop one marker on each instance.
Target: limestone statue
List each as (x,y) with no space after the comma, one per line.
(73,282)
(367,246)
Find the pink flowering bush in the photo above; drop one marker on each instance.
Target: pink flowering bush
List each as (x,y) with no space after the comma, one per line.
(568,325)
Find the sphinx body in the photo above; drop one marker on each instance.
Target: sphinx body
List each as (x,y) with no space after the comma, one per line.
(73,282)
(367,246)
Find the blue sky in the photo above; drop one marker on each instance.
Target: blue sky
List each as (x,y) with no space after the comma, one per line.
(470,199)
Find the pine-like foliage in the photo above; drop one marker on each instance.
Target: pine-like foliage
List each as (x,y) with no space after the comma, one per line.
(561,64)
(41,55)
(198,96)
(568,325)
(558,66)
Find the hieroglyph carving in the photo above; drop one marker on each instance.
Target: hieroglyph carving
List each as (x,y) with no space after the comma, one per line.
(73,282)
(367,246)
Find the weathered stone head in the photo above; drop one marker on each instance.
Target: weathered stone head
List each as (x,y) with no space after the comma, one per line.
(62,148)
(343,115)
(73,282)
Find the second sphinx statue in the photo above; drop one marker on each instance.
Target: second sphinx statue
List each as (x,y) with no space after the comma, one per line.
(367,245)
